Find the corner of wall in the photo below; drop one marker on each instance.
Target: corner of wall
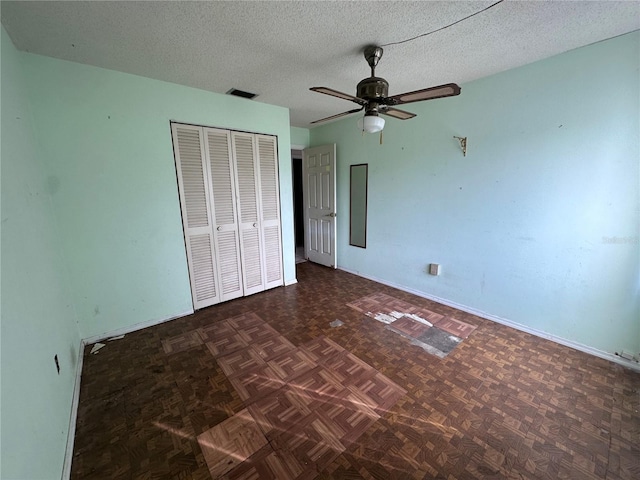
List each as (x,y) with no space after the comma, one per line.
(41,344)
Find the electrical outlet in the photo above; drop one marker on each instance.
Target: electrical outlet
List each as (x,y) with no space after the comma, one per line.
(434,269)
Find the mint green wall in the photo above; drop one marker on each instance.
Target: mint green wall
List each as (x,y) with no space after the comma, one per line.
(112,177)
(523,224)
(300,136)
(38,320)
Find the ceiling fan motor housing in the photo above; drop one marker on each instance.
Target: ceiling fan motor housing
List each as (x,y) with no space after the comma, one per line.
(372,88)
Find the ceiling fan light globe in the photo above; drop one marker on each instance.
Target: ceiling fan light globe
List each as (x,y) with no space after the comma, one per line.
(371,123)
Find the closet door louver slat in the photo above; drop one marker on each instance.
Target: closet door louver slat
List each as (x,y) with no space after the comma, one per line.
(203,272)
(229,248)
(273,257)
(226,233)
(268,178)
(251,260)
(196,215)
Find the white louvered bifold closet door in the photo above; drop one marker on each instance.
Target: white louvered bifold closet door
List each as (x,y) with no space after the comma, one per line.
(247,190)
(270,211)
(196,214)
(226,234)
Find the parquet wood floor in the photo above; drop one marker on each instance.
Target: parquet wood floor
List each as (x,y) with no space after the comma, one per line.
(298,406)
(502,405)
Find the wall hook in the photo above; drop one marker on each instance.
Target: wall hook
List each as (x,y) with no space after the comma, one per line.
(463,144)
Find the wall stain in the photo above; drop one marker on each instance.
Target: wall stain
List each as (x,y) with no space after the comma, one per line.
(53,184)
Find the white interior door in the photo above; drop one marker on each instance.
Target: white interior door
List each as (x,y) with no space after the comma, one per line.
(319,190)
(196,214)
(247,189)
(226,232)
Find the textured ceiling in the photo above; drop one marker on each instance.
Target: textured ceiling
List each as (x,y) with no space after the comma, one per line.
(280,49)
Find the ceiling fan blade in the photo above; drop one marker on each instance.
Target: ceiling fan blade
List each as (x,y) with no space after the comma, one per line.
(338,115)
(446,90)
(397,113)
(336,93)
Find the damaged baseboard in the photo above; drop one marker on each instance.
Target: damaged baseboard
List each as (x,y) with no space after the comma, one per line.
(538,333)
(133,328)
(71,434)
(68,456)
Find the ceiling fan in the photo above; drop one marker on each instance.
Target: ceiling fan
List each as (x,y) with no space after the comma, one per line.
(372,96)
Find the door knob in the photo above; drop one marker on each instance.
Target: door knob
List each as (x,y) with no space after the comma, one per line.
(255,225)
(219,228)
(332,215)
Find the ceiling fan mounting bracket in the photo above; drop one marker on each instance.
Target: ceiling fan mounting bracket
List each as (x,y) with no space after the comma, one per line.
(372,55)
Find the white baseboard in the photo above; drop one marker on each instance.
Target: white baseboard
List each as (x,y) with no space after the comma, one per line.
(290,282)
(518,326)
(133,328)
(71,434)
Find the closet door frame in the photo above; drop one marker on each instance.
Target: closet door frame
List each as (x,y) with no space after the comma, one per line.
(212,228)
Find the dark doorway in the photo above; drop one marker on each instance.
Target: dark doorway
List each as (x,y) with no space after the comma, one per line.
(298,203)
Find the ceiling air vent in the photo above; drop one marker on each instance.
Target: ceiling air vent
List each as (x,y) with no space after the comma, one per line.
(241,93)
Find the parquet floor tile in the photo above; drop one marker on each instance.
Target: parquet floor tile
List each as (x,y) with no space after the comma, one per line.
(377,392)
(410,327)
(180,343)
(348,415)
(429,316)
(291,364)
(315,442)
(281,411)
(349,368)
(231,443)
(256,333)
(272,347)
(257,383)
(320,385)
(226,345)
(502,405)
(215,331)
(455,327)
(240,362)
(267,464)
(245,320)
(322,349)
